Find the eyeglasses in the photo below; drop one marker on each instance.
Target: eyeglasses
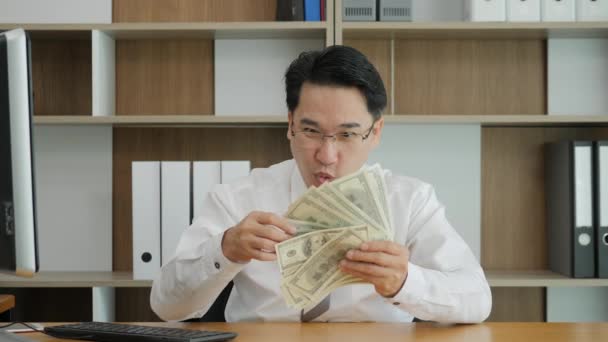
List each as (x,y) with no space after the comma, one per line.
(310,138)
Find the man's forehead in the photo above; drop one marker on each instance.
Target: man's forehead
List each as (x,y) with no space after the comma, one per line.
(350,123)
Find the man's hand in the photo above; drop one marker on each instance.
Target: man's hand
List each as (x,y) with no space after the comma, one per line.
(255,237)
(382,263)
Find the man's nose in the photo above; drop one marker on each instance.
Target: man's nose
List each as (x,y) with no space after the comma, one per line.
(327,153)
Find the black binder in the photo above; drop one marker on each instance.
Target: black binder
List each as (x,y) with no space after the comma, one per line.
(290,10)
(601,208)
(569,202)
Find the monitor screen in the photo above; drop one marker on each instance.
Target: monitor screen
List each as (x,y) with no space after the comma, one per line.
(18,245)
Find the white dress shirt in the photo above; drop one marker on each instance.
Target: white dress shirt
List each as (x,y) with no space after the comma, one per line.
(445,282)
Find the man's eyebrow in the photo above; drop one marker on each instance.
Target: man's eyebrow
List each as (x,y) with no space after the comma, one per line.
(350,125)
(309,122)
(314,123)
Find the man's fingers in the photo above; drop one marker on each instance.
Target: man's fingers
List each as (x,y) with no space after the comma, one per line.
(370,270)
(277,221)
(383,246)
(263,256)
(377,258)
(270,233)
(364,276)
(259,243)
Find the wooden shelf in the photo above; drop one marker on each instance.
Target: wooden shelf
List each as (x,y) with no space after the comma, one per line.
(226,30)
(473,30)
(162,120)
(74,279)
(278,120)
(501,120)
(540,278)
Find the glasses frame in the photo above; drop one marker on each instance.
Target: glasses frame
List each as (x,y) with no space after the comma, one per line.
(363,136)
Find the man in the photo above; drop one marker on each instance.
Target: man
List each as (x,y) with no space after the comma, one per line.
(335,99)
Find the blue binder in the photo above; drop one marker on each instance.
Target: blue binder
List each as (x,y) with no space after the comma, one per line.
(312,10)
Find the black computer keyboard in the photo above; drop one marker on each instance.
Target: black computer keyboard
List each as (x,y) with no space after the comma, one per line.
(114,332)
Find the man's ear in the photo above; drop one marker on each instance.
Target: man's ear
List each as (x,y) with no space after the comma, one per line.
(377,131)
(289,123)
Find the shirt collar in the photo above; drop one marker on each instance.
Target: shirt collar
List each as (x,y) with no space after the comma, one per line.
(298,187)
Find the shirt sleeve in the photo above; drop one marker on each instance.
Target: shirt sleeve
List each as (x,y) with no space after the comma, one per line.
(190,282)
(445,282)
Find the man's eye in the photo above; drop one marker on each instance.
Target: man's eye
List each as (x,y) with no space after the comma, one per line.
(347,135)
(310,130)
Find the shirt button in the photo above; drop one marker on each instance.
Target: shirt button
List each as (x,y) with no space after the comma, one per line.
(217,265)
(396,303)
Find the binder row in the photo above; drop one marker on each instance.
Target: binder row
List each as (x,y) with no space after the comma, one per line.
(166,198)
(576,181)
(301,10)
(377,10)
(536,10)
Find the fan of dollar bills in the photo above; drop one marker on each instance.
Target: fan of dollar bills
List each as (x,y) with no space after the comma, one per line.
(330,220)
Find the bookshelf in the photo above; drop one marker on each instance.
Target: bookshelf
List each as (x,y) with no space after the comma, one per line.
(430,70)
(281,120)
(447,73)
(50,279)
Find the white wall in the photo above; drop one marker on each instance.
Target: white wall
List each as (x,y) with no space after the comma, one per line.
(73,169)
(449,158)
(577,76)
(55,11)
(249,74)
(577,304)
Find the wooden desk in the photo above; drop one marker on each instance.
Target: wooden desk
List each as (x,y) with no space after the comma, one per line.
(380,332)
(7,302)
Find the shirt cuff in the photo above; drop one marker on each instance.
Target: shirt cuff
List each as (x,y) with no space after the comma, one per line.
(216,262)
(412,290)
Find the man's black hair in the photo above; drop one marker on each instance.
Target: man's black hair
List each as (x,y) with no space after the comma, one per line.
(336,66)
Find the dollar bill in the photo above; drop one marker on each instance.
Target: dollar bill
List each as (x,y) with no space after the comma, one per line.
(304,227)
(297,250)
(336,197)
(315,273)
(330,220)
(306,209)
(375,176)
(357,189)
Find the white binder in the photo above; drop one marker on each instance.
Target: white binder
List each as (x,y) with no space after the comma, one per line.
(591,10)
(146,219)
(558,10)
(523,10)
(485,10)
(205,174)
(175,205)
(233,170)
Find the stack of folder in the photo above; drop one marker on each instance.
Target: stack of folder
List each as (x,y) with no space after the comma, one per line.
(301,10)
(576,176)
(167,196)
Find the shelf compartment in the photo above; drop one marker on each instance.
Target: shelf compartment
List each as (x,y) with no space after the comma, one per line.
(62,76)
(473,30)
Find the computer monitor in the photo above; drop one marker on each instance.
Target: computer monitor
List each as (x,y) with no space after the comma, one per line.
(18,245)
